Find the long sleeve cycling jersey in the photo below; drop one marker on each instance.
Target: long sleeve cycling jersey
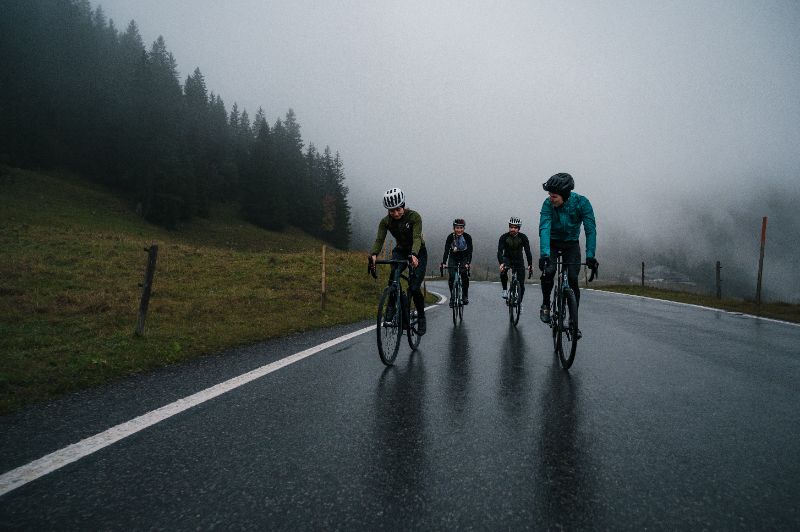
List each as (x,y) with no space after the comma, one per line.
(460,250)
(511,247)
(564,223)
(407,231)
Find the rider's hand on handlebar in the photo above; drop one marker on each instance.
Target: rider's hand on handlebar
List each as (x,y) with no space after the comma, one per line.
(414,261)
(593,265)
(544,263)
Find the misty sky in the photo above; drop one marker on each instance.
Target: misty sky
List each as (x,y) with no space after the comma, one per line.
(653,107)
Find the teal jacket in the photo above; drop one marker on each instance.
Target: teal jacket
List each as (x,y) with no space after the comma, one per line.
(564,224)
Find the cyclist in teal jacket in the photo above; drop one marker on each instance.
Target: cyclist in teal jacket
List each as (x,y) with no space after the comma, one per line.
(560,221)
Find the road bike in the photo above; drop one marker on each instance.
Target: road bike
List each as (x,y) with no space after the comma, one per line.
(564,313)
(395,316)
(456,293)
(514,299)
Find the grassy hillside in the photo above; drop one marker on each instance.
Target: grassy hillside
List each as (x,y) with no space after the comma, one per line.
(73,257)
(777,310)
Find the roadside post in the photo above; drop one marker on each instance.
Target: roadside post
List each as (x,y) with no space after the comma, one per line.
(761,259)
(719,282)
(323,277)
(152,254)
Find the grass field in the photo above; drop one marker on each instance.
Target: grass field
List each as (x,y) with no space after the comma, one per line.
(72,260)
(779,311)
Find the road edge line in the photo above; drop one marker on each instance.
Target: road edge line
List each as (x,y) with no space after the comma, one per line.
(731,312)
(24,474)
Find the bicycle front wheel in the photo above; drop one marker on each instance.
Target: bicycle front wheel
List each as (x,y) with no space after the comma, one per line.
(411,332)
(390,325)
(514,303)
(460,302)
(457,302)
(567,337)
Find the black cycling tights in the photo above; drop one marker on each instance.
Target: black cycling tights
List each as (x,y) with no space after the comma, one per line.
(415,286)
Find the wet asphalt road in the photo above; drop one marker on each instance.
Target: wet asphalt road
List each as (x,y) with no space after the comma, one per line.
(672,417)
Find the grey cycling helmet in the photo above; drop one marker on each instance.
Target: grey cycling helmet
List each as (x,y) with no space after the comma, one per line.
(560,184)
(394,198)
(515,221)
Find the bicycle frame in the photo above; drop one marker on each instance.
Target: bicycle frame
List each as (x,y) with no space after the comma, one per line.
(457,278)
(396,276)
(456,292)
(564,304)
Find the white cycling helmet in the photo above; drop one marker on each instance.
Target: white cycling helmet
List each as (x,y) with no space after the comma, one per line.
(515,221)
(394,198)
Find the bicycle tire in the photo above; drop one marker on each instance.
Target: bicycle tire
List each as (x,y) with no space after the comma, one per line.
(509,299)
(553,315)
(389,331)
(566,351)
(411,332)
(454,300)
(460,302)
(514,303)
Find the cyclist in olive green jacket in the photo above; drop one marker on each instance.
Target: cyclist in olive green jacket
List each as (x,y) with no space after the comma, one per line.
(405,226)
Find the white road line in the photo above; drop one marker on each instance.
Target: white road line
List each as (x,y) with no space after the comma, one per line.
(47,464)
(732,313)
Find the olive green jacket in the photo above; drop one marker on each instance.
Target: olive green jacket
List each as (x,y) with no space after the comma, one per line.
(407,231)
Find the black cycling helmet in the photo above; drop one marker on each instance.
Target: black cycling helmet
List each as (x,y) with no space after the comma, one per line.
(560,184)
(459,222)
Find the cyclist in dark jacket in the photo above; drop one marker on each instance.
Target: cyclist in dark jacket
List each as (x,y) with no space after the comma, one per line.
(560,221)
(458,250)
(405,226)
(510,250)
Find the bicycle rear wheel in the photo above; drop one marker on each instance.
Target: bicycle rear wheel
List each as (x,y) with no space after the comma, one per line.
(514,302)
(390,325)
(567,339)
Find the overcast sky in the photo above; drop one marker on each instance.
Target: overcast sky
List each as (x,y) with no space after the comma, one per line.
(470,105)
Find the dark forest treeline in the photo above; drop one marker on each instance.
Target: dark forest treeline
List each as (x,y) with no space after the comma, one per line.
(77,93)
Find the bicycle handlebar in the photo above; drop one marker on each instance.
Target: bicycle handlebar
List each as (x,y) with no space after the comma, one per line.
(391,261)
(458,266)
(373,271)
(594,270)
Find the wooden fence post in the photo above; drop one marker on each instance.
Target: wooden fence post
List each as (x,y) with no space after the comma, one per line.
(642,274)
(323,276)
(719,282)
(152,254)
(761,259)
